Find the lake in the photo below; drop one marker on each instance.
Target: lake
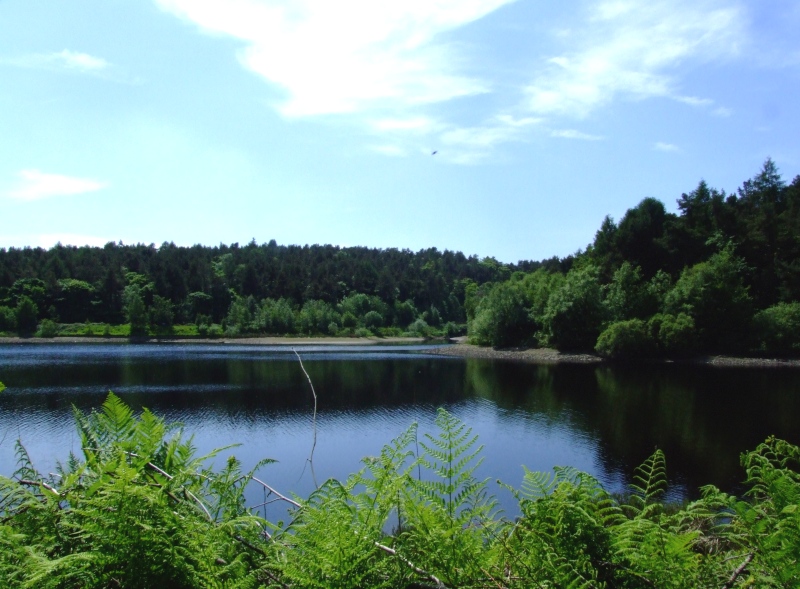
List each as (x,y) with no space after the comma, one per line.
(601,419)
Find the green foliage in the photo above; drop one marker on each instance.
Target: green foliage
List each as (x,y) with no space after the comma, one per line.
(714,295)
(575,311)
(777,329)
(502,318)
(625,340)
(8,319)
(160,315)
(47,328)
(135,310)
(140,509)
(674,334)
(26,316)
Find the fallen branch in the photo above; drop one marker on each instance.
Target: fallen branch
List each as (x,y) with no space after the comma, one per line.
(276,493)
(739,570)
(411,565)
(314,418)
(39,484)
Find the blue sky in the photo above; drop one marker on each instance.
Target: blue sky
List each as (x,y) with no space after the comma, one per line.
(311,121)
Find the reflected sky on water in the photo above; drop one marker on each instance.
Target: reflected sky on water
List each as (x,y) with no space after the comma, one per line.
(601,419)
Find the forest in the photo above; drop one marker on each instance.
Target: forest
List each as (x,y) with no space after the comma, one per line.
(722,275)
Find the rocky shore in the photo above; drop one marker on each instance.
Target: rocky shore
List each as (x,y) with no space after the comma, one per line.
(551,356)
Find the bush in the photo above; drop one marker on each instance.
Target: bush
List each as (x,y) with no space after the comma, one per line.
(777,329)
(333,328)
(626,340)
(363,332)
(675,334)
(419,328)
(575,311)
(8,319)
(373,319)
(47,328)
(26,315)
(502,318)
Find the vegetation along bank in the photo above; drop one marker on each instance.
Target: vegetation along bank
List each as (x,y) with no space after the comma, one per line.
(722,276)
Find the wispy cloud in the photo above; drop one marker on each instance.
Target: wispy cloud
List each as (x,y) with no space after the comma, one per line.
(346,56)
(694,100)
(36,185)
(630,48)
(64,60)
(573,134)
(661,146)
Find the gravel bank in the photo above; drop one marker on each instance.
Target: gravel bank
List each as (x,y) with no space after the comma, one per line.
(550,356)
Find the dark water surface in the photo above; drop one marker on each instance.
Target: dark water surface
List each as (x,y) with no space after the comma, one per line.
(604,420)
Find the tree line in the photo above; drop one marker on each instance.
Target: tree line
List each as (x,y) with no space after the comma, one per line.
(267,288)
(720,276)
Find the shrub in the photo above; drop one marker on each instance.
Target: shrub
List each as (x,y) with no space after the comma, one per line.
(333,328)
(8,319)
(26,315)
(675,334)
(502,318)
(373,319)
(626,340)
(419,328)
(575,311)
(777,329)
(47,328)
(363,332)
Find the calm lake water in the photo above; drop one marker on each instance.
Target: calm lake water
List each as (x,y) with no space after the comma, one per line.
(600,419)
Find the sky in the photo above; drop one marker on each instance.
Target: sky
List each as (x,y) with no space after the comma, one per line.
(492,127)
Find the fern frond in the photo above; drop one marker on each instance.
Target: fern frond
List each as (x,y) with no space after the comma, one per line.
(650,481)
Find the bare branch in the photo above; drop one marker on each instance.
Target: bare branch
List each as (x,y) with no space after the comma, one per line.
(739,570)
(314,419)
(39,484)
(276,493)
(412,566)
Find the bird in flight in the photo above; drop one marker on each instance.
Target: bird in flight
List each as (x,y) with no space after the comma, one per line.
(434,152)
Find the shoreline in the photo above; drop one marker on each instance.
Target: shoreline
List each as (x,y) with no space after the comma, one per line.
(255,341)
(458,349)
(552,356)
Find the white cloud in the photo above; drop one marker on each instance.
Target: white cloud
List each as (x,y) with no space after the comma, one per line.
(36,185)
(66,59)
(661,146)
(630,48)
(722,111)
(694,100)
(346,56)
(573,134)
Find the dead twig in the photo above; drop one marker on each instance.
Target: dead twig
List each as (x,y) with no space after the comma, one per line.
(314,418)
(412,566)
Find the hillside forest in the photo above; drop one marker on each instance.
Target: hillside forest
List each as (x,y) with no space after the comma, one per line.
(722,275)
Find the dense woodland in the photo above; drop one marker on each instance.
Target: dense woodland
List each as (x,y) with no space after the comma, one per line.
(266,288)
(721,275)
